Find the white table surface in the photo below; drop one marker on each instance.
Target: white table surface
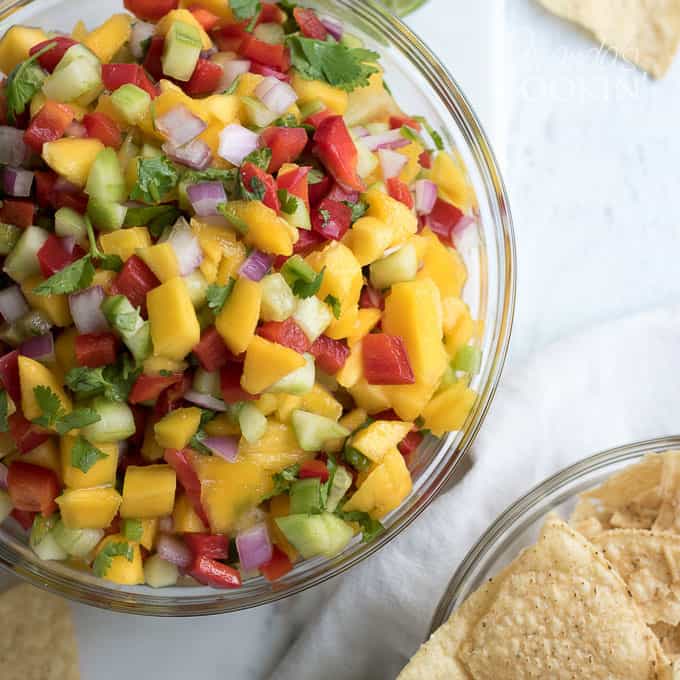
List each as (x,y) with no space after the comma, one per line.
(589,148)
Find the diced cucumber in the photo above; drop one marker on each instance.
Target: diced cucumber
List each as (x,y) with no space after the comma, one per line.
(128,323)
(9,235)
(105,181)
(312,430)
(299,218)
(181,51)
(77,79)
(295,268)
(271,33)
(252,422)
(305,497)
(278,301)
(313,316)
(22,262)
(310,108)
(76,52)
(313,535)
(207,382)
(351,41)
(106,215)
(160,574)
(76,542)
(377,128)
(29,325)
(257,114)
(131,102)
(300,381)
(197,286)
(378,186)
(401,265)
(68,222)
(5,505)
(468,359)
(367,161)
(116,422)
(150,151)
(128,150)
(42,540)
(342,480)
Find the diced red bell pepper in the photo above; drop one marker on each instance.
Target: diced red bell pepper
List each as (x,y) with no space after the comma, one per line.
(399,191)
(77,201)
(314,468)
(49,60)
(95,349)
(24,518)
(268,71)
(331,219)
(172,397)
(150,10)
(48,124)
(53,257)
(337,151)
(386,360)
(319,190)
(306,242)
(295,183)
(9,374)
(230,384)
(230,37)
(276,56)
(100,126)
(149,387)
(271,14)
(286,333)
(117,75)
(286,143)
(152,59)
(397,122)
(279,565)
(315,119)
(410,442)
(211,351)
(207,19)
(25,434)
(310,24)
(250,171)
(388,414)
(330,354)
(205,78)
(370,298)
(134,281)
(180,462)
(213,573)
(48,196)
(17,212)
(214,546)
(32,488)
(139,414)
(443,218)
(425,160)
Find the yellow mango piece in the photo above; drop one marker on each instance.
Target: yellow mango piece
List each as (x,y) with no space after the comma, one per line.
(33,374)
(279,506)
(287,404)
(106,106)
(223,107)
(102,473)
(222,426)
(79,32)
(384,488)
(351,421)
(15,45)
(185,17)
(233,258)
(448,410)
(103,278)
(121,570)
(88,508)
(157,365)
(368,239)
(267,404)
(318,400)
(412,152)
(353,370)
(151,450)
(175,429)
(174,326)
(275,450)
(247,84)
(266,363)
(237,321)
(400,220)
(461,330)
(443,265)
(451,181)
(214,238)
(372,398)
(148,491)
(46,455)
(125,242)
(184,517)
(379,437)
(408,401)
(65,349)
(55,307)
(161,260)
(107,39)
(149,532)
(333,98)
(219,8)
(366,320)
(209,270)
(72,158)
(372,104)
(266,230)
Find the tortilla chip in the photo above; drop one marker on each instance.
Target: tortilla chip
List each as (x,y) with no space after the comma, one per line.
(38,639)
(643,32)
(669,637)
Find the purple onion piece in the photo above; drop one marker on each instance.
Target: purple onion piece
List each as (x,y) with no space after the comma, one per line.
(254,547)
(86,312)
(180,125)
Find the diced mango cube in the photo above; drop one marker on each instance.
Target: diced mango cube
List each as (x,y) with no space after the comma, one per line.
(176,429)
(71,157)
(448,410)
(223,107)
(279,506)
(247,84)
(461,327)
(277,449)
(371,398)
(371,104)
(350,421)
(266,363)
(318,400)
(45,455)
(186,17)
(380,437)
(266,230)
(149,532)
(400,220)
(125,242)
(368,239)
(121,570)
(161,260)
(55,307)
(232,259)
(185,520)
(450,178)
(65,349)
(267,403)
(151,450)
(333,98)
(367,319)
(222,426)
(89,508)
(238,319)
(148,491)
(107,39)
(443,265)
(33,374)
(410,171)
(15,45)
(101,473)
(79,32)
(353,370)
(219,8)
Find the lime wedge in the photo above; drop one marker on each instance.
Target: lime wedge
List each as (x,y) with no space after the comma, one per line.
(403,7)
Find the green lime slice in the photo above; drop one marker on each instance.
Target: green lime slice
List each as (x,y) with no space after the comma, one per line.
(403,7)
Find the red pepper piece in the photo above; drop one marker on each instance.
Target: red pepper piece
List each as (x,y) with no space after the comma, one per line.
(212,573)
(425,160)
(100,126)
(386,361)
(211,351)
(53,257)
(250,171)
(230,384)
(215,546)
(9,374)
(286,333)
(230,37)
(399,191)
(25,434)
(149,387)
(310,24)
(32,488)
(150,10)
(207,19)
(314,468)
(134,281)
(276,56)
(117,75)
(171,397)
(443,218)
(315,119)
(339,193)
(271,14)
(279,565)
(306,242)
(295,183)
(139,414)
(24,518)
(17,212)
(51,58)
(152,59)
(180,462)
(95,349)
(410,442)
(267,71)
(397,122)
(331,219)
(370,298)
(330,354)
(205,78)
(286,143)
(337,151)
(319,190)
(48,124)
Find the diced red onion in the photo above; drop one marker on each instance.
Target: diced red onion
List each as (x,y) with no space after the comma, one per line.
(3,476)
(342,193)
(224,447)
(13,304)
(335,28)
(141,31)
(254,547)
(256,265)
(276,95)
(391,162)
(266,71)
(185,245)
(17,182)
(461,229)
(87,315)
(360,131)
(76,129)
(426,196)
(206,54)
(13,150)
(374,296)
(206,196)
(205,401)
(166,524)
(196,154)
(392,139)
(40,347)
(63,186)
(180,125)
(236,142)
(173,550)
(68,243)
(231,70)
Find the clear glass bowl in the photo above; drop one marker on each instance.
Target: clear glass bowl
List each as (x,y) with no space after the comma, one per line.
(423,86)
(520,524)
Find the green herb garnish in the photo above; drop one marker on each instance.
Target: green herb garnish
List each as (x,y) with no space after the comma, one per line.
(84,455)
(23,83)
(102,563)
(156,177)
(217,295)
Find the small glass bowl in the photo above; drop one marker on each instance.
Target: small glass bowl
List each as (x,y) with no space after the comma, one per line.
(423,86)
(520,524)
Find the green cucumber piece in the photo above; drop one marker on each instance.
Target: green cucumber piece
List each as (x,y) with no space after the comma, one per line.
(314,535)
(299,218)
(310,108)
(207,382)
(351,41)
(313,316)
(128,323)
(342,480)
(181,51)
(76,542)
(197,286)
(79,78)
(377,128)
(278,302)
(305,497)
(158,573)
(105,215)
(300,381)
(257,114)
(367,161)
(105,181)
(131,102)
(22,262)
(9,235)
(468,359)
(272,34)
(252,422)
(150,151)
(76,52)
(116,422)
(312,430)
(401,265)
(68,222)
(42,540)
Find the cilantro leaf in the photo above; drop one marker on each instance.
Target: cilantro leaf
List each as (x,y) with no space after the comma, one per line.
(155,178)
(334,304)
(234,86)
(370,528)
(196,442)
(132,529)
(77,419)
(4,410)
(304,289)
(256,192)
(302,279)
(315,176)
(74,277)
(50,405)
(283,480)
(288,120)
(23,83)
(358,209)
(156,217)
(114,382)
(245,9)
(260,157)
(435,136)
(102,563)
(84,455)
(217,295)
(331,62)
(356,459)
(289,203)
(227,177)
(110,262)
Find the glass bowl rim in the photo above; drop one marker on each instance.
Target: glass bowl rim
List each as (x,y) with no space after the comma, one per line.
(450,95)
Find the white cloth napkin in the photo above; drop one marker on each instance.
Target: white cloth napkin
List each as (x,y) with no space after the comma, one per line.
(612,385)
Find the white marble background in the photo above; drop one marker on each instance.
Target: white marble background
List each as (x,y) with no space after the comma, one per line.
(591,155)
